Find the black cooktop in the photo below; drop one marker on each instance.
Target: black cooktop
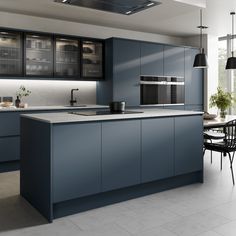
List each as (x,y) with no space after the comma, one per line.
(97,113)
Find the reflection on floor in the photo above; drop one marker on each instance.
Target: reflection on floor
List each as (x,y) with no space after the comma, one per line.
(207,209)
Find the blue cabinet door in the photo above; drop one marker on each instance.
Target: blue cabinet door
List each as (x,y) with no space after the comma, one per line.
(173,61)
(120,154)
(188,144)
(9,123)
(194,107)
(177,107)
(126,71)
(76,160)
(157,149)
(9,149)
(193,79)
(152,56)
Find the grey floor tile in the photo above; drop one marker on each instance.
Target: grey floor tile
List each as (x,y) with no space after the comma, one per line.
(209,233)
(195,224)
(227,229)
(157,231)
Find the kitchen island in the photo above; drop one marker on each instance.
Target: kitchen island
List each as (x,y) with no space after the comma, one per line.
(75,162)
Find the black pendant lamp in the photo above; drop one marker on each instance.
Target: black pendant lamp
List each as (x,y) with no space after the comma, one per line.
(231,62)
(200,60)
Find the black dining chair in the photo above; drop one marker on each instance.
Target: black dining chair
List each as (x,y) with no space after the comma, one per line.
(213,135)
(227,146)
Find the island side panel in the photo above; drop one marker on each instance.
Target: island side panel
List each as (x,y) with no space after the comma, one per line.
(76,160)
(35,165)
(188,144)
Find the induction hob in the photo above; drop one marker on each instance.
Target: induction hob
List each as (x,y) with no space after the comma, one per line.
(97,113)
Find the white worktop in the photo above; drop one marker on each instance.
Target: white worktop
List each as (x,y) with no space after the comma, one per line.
(65,117)
(50,108)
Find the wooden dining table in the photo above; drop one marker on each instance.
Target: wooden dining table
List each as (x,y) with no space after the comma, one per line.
(217,122)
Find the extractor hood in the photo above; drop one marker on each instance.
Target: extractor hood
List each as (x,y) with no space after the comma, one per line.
(126,7)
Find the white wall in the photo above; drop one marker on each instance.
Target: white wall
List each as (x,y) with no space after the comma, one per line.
(57,92)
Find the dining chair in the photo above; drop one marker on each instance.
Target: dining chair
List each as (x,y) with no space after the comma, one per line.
(211,136)
(227,146)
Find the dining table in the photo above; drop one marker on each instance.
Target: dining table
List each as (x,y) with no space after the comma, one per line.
(217,122)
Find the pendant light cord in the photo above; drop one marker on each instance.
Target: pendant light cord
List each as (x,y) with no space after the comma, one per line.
(232,38)
(201,29)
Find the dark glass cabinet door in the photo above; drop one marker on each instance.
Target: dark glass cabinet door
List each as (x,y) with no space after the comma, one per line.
(92,59)
(10,53)
(67,57)
(39,55)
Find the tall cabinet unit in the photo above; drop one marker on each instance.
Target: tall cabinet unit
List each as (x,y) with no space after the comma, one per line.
(151,59)
(174,61)
(38,55)
(11,47)
(122,73)
(193,82)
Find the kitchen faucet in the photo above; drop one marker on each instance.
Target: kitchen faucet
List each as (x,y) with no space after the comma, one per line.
(72,100)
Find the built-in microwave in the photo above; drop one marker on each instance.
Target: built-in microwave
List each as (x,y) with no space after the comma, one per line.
(163,90)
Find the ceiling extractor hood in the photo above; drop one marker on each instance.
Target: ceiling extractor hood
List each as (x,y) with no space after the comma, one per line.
(126,7)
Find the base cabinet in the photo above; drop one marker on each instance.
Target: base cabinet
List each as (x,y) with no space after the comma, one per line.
(120,154)
(76,161)
(157,149)
(9,149)
(188,140)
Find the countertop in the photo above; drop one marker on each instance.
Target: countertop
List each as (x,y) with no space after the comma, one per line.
(65,117)
(50,108)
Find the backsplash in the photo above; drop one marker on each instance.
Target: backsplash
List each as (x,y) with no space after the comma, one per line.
(50,93)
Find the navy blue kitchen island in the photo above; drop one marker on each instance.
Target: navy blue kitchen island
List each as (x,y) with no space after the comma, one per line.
(72,163)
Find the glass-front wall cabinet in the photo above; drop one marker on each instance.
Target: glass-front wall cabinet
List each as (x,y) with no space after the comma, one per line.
(67,57)
(92,59)
(39,55)
(10,53)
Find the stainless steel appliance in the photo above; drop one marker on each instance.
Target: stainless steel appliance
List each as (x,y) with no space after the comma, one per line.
(163,90)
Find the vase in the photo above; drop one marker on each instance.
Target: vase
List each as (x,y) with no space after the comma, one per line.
(17,102)
(223,114)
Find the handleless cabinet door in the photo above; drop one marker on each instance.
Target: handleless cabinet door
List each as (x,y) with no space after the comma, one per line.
(193,79)
(157,149)
(188,144)
(152,59)
(173,61)
(126,71)
(76,160)
(120,154)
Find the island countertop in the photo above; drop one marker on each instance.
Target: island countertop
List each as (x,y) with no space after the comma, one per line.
(51,108)
(66,117)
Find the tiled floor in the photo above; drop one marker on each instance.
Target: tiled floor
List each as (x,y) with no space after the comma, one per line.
(207,209)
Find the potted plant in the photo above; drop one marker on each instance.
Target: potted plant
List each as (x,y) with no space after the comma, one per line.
(20,93)
(222,100)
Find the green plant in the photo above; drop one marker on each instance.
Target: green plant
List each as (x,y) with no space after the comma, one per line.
(221,99)
(22,92)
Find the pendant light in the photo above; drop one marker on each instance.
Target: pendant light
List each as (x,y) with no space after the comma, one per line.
(201,59)
(231,62)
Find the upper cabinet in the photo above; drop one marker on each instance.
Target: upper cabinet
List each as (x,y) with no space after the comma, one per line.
(38,55)
(174,61)
(92,59)
(151,59)
(67,57)
(49,56)
(11,53)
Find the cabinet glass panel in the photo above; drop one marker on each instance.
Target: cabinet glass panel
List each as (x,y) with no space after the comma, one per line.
(10,53)
(67,57)
(92,59)
(39,55)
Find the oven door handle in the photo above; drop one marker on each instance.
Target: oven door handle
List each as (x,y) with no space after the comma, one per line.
(153,82)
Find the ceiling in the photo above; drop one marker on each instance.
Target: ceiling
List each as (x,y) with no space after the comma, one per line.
(172,17)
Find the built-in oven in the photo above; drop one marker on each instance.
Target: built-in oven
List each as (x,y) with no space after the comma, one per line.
(163,90)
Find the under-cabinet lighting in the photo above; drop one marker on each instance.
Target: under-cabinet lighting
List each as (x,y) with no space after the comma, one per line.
(128,12)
